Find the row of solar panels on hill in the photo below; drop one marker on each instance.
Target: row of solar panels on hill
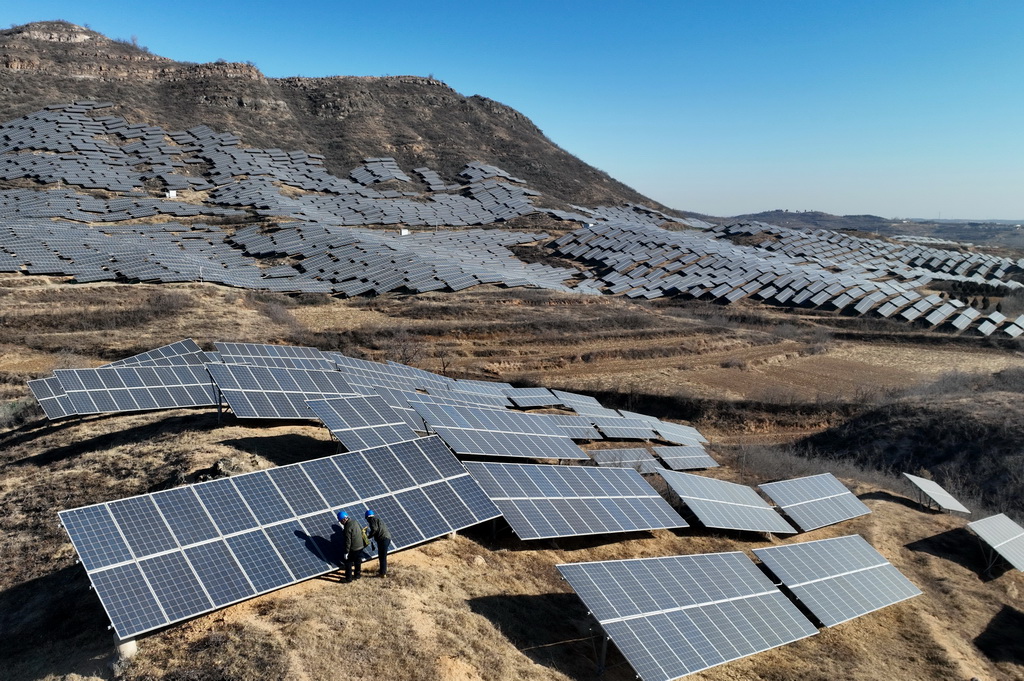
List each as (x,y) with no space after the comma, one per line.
(328,260)
(810,502)
(72,146)
(1003,537)
(280,382)
(645,261)
(164,557)
(677,615)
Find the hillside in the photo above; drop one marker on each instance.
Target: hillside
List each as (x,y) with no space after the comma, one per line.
(418,121)
(794,352)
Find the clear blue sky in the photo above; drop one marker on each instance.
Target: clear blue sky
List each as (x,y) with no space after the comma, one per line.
(901,108)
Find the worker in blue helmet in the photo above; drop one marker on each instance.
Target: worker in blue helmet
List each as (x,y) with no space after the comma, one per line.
(354,545)
(378,531)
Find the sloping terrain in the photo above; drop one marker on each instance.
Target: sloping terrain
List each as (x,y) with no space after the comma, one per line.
(471,607)
(479,606)
(418,121)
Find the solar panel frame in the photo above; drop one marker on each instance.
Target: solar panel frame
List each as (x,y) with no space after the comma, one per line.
(936,493)
(726,505)
(362,421)
(1003,535)
(137,388)
(51,397)
(261,392)
(838,579)
(685,457)
(815,501)
(678,615)
(160,558)
(637,458)
(543,501)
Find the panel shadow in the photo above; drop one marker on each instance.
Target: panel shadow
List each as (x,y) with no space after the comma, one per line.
(285,449)
(1002,641)
(54,627)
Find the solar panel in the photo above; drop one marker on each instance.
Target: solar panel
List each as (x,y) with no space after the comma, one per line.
(575,427)
(677,615)
(163,557)
(639,459)
(185,351)
(1004,536)
(936,493)
(678,433)
(493,432)
(137,388)
(726,505)
(619,428)
(282,356)
(685,457)
(259,392)
(542,501)
(815,501)
(531,397)
(362,421)
(838,579)
(51,397)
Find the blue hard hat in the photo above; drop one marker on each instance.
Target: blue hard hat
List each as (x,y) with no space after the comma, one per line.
(342,516)
(369,513)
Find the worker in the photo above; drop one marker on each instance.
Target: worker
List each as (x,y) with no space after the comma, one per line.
(354,546)
(378,531)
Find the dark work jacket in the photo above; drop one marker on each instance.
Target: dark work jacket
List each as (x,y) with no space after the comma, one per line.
(378,530)
(353,536)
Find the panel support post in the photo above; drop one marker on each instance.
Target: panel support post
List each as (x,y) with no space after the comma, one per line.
(602,654)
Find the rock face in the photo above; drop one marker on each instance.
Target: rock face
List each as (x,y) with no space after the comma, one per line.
(418,121)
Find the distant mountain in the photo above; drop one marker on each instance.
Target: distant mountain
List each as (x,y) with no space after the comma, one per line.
(818,220)
(418,121)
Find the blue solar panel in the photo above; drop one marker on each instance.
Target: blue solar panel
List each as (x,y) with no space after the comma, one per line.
(193,549)
(185,515)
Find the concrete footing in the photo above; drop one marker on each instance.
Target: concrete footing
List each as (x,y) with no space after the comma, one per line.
(126,649)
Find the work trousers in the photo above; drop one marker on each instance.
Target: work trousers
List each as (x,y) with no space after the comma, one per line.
(354,558)
(382,553)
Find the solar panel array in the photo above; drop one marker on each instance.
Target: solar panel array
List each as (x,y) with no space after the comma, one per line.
(838,579)
(936,493)
(77,149)
(282,356)
(685,457)
(1004,536)
(789,267)
(542,501)
(160,558)
(49,392)
(677,615)
(319,219)
(185,351)
(136,388)
(362,421)
(815,501)
(726,505)
(637,458)
(258,392)
(490,432)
